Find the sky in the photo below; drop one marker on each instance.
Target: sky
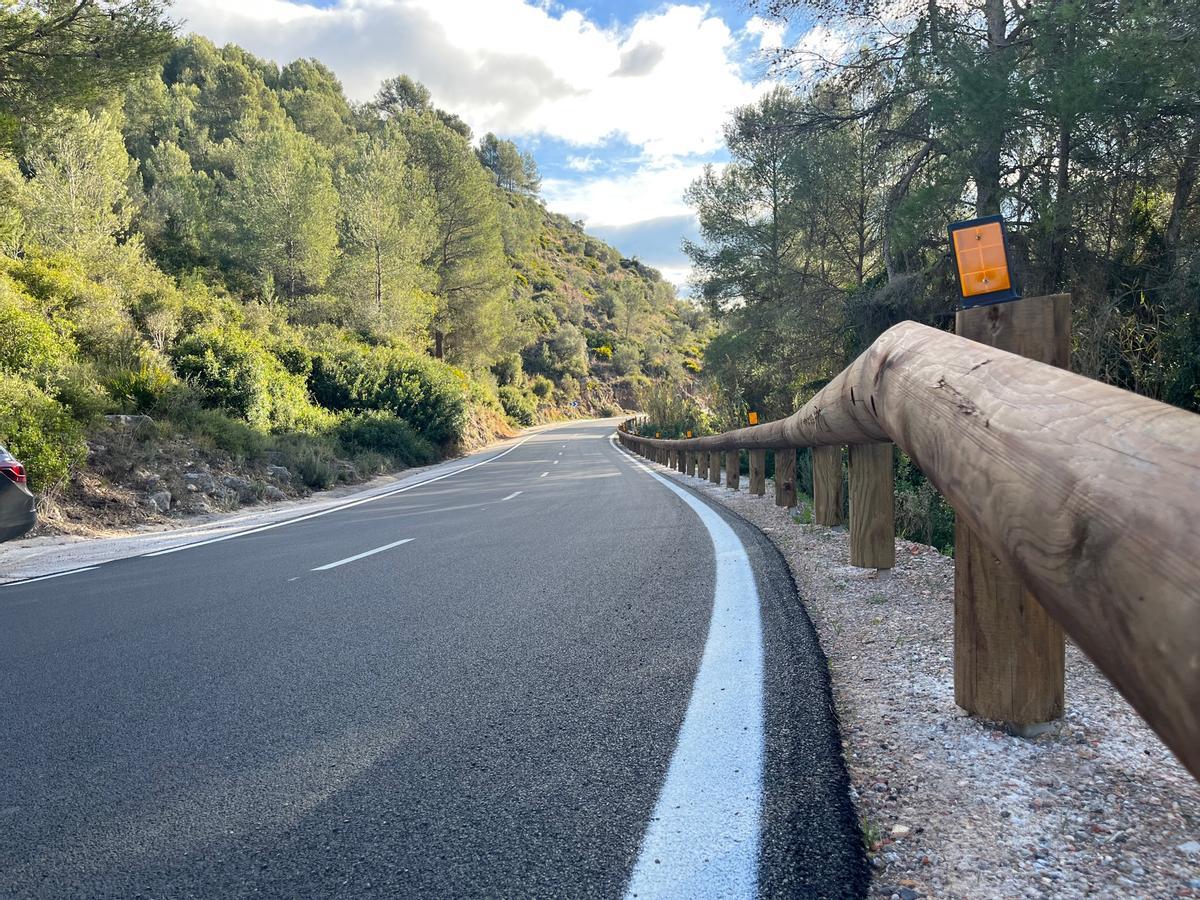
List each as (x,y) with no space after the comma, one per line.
(621,102)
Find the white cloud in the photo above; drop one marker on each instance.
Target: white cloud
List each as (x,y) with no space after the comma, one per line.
(821,45)
(665,83)
(582,163)
(529,69)
(646,192)
(769,34)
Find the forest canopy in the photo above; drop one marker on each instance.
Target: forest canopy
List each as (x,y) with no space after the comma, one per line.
(236,250)
(1079,121)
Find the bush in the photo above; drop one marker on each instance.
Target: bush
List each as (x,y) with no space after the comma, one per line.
(39,431)
(29,346)
(236,373)
(427,394)
(142,389)
(542,388)
(627,360)
(212,427)
(922,514)
(383,433)
(309,459)
(518,406)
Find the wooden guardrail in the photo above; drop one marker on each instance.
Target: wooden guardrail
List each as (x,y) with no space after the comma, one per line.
(1091,494)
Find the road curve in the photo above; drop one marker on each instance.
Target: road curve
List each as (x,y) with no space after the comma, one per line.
(483,686)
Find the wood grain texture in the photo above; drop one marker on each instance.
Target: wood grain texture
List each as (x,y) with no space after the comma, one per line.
(1090,493)
(1008,653)
(714,466)
(758,472)
(872,507)
(785,478)
(733,469)
(828,497)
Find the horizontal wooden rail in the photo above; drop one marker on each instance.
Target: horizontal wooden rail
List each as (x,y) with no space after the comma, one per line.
(1090,493)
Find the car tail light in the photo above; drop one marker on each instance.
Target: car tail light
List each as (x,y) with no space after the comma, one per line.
(14,470)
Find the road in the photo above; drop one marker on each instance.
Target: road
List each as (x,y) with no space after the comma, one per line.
(499,683)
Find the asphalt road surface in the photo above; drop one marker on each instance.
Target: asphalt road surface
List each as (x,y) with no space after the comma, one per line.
(547,674)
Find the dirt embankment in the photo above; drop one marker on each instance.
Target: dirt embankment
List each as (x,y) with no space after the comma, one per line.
(135,478)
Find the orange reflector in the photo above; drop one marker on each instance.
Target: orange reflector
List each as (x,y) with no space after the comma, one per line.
(753,416)
(689,434)
(981,257)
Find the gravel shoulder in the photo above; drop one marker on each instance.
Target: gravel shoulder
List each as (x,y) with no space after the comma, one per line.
(950,805)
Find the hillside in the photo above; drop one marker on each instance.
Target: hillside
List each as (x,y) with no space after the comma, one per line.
(224,283)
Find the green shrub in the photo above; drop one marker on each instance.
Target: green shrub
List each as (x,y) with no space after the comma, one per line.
(427,394)
(142,389)
(181,409)
(542,388)
(382,433)
(627,360)
(80,392)
(39,431)
(236,373)
(29,346)
(518,406)
(922,514)
(311,460)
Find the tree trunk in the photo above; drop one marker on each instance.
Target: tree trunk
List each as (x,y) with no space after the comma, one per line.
(378,281)
(986,163)
(1062,208)
(1184,185)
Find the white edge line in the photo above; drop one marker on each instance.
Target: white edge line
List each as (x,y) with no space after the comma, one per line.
(703,837)
(52,575)
(333,509)
(363,555)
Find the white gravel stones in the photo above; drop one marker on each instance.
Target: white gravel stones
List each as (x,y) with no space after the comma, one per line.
(954,807)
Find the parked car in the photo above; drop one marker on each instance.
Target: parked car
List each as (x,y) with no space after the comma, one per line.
(18,509)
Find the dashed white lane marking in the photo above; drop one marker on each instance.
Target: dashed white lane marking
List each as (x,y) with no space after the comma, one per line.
(54,575)
(333,509)
(543,475)
(703,838)
(364,555)
(555,463)
(511,496)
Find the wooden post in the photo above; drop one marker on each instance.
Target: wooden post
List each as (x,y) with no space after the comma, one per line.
(827,485)
(714,467)
(785,478)
(758,472)
(872,507)
(689,460)
(681,460)
(1008,653)
(733,469)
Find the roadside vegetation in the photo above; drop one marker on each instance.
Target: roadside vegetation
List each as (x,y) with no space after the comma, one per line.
(222,256)
(1078,121)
